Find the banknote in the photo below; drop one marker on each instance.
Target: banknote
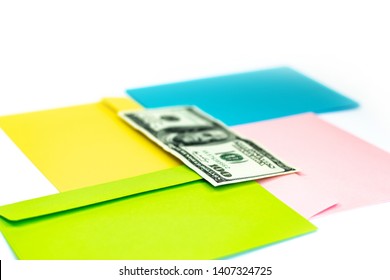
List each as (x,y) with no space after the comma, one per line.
(206,145)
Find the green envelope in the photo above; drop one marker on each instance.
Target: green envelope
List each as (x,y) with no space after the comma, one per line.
(169,214)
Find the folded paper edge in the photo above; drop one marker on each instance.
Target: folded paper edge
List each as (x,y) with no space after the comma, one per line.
(96,194)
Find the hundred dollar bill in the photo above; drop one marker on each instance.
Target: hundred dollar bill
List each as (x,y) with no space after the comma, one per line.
(206,145)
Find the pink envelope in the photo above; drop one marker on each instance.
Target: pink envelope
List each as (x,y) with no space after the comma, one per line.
(336,167)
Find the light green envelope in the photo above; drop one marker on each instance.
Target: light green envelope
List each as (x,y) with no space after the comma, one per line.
(169,214)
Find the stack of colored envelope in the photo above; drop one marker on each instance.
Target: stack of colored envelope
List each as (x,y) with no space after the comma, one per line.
(261,103)
(121,197)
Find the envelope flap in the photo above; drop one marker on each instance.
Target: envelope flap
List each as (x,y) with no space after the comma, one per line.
(96,194)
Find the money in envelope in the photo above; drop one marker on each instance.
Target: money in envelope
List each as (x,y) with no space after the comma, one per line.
(206,145)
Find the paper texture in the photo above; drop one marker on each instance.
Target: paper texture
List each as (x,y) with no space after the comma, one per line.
(247,97)
(334,163)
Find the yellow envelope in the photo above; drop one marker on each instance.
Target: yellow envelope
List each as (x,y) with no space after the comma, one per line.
(85,145)
(122,197)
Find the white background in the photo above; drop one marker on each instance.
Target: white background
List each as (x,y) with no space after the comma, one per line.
(60,53)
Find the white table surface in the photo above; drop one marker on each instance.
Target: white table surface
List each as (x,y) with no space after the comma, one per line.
(56,55)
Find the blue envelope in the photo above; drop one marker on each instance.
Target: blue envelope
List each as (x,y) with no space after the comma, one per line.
(247,97)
